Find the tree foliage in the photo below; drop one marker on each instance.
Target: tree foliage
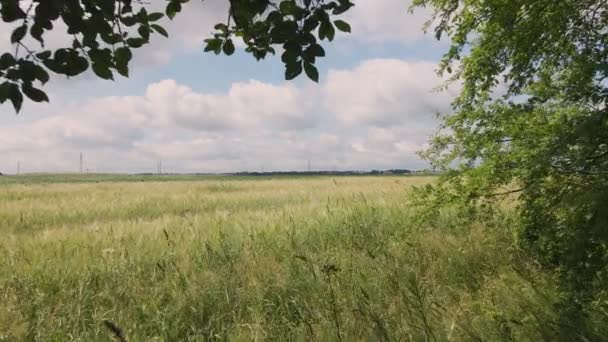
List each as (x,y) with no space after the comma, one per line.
(531,120)
(106,32)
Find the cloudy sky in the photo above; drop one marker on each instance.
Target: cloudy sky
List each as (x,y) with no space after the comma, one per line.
(374,107)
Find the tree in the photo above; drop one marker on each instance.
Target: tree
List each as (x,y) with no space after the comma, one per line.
(105,33)
(545,139)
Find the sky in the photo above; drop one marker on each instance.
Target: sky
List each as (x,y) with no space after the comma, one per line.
(375,105)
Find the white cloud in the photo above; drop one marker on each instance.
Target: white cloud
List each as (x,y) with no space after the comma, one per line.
(247,105)
(376,115)
(385,93)
(386,20)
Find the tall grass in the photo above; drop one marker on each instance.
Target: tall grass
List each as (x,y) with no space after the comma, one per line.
(283,259)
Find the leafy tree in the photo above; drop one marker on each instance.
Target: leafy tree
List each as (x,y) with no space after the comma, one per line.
(105,33)
(532,121)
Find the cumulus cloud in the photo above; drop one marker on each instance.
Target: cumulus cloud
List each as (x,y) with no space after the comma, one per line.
(387,20)
(376,115)
(247,105)
(115,120)
(385,93)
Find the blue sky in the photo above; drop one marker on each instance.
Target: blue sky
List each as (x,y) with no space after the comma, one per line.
(374,106)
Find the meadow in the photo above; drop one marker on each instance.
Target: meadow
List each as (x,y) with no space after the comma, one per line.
(240,259)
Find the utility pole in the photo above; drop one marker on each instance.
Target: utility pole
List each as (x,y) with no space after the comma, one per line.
(18,167)
(308,165)
(80,162)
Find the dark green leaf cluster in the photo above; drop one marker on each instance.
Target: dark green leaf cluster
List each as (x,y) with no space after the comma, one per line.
(103,34)
(296,25)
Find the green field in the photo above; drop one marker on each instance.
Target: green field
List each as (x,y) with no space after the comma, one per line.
(315,258)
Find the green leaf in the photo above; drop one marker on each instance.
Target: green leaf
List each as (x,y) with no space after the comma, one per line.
(78,65)
(344,6)
(136,42)
(107,7)
(142,15)
(155,16)
(311,72)
(123,55)
(221,27)
(144,32)
(173,8)
(123,70)
(36,32)
(44,54)
(26,71)
(326,30)
(290,56)
(316,50)
(214,45)
(5,91)
(342,26)
(16,97)
(102,71)
(322,31)
(110,38)
(40,74)
(128,20)
(259,54)
(331,32)
(290,7)
(292,70)
(6,61)
(228,47)
(18,34)
(160,30)
(53,65)
(101,56)
(35,94)
(11,11)
(275,17)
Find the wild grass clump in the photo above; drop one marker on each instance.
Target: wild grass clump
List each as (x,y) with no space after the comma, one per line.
(303,259)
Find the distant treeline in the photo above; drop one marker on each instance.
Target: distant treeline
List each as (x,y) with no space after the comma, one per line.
(309,173)
(325,173)
(87,176)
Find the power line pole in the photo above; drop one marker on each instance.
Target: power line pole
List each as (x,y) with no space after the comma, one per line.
(18,167)
(308,165)
(80,162)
